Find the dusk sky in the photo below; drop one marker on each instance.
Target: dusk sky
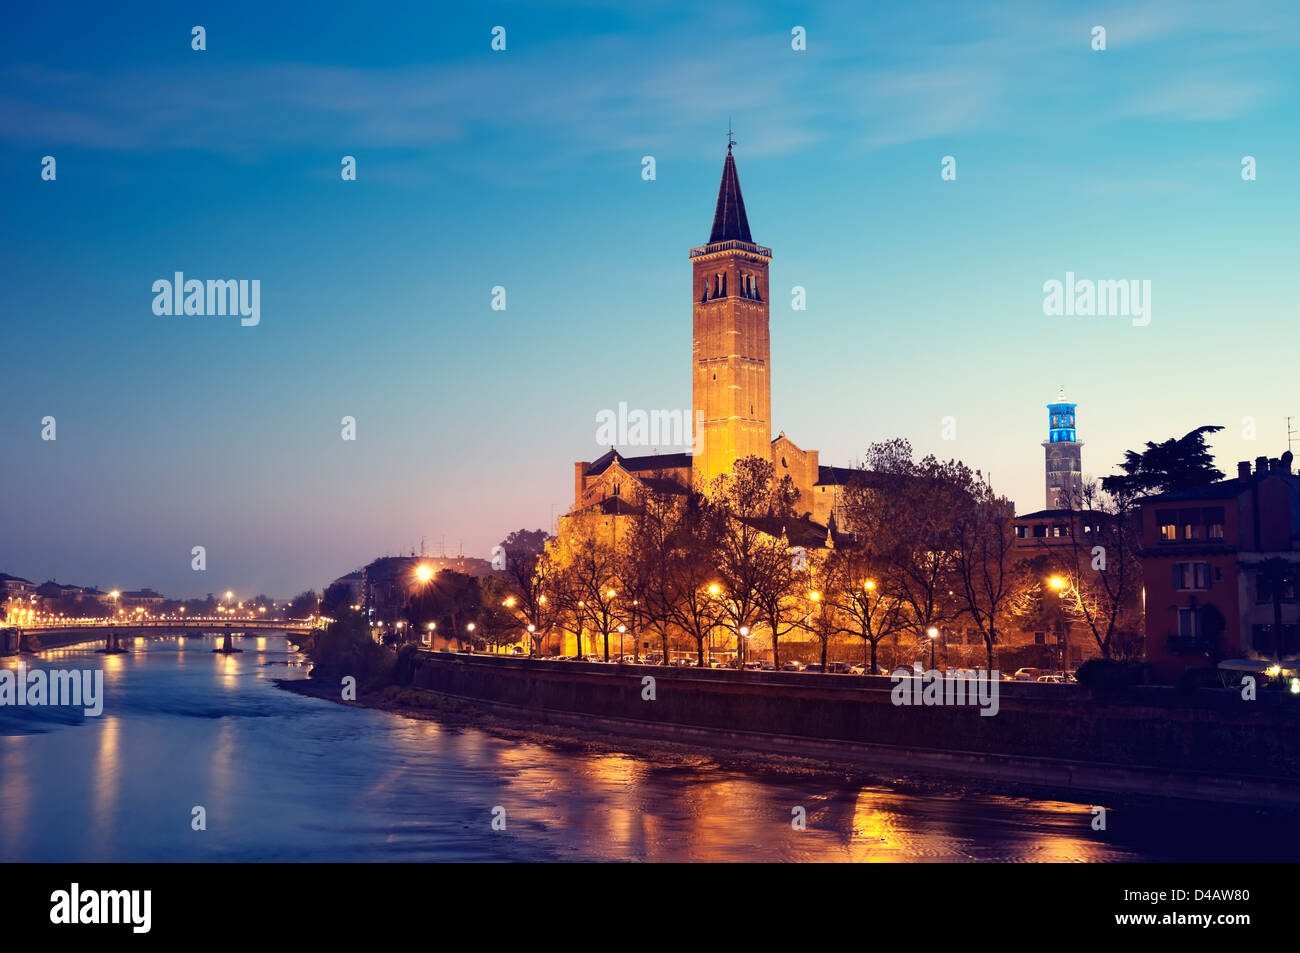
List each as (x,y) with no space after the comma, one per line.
(522,169)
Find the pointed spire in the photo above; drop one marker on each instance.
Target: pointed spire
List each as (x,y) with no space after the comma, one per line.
(729,220)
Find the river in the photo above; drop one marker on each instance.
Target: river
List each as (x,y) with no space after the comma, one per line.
(287,777)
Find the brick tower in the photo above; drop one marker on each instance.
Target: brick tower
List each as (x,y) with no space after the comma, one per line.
(1064,457)
(731,387)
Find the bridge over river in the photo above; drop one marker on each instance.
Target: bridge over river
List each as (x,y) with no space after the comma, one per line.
(37,637)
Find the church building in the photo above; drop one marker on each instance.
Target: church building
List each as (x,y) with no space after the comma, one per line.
(731,384)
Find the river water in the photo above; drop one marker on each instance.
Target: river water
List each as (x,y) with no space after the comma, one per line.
(283,776)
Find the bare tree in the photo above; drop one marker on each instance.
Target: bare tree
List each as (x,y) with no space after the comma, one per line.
(746,501)
(689,571)
(1099,558)
(779,586)
(904,513)
(525,571)
(988,568)
(864,609)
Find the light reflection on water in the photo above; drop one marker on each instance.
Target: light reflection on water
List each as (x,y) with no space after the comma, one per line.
(285,777)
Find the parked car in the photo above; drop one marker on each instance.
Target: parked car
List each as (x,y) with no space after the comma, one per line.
(1029,674)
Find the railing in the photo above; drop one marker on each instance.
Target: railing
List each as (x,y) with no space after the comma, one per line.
(732,245)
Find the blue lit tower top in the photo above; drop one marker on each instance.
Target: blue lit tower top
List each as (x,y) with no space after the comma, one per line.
(1062,423)
(1064,453)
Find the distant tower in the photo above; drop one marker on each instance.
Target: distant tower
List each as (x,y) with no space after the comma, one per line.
(731,386)
(1064,457)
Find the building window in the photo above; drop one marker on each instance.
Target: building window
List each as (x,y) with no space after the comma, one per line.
(1214,522)
(1264,588)
(1191,576)
(1261,640)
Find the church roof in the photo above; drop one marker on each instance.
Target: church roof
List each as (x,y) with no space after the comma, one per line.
(647,464)
(729,220)
(834,476)
(799,530)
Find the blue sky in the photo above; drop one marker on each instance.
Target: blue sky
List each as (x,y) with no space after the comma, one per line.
(523,169)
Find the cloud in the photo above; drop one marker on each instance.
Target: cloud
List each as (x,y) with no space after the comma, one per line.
(1199,98)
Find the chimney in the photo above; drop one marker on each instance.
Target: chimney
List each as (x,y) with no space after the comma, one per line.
(1261,465)
(1243,470)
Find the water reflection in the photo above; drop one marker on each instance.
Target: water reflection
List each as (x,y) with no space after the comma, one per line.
(284,777)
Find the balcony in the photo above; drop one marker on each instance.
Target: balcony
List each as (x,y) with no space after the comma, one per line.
(1186,644)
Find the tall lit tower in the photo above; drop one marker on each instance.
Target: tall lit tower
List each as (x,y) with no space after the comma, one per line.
(731,387)
(1064,457)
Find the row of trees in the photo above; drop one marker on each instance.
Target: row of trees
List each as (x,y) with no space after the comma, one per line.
(926,545)
(916,547)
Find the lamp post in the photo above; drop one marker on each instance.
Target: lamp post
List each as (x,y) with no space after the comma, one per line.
(1058,586)
(868,588)
(604,622)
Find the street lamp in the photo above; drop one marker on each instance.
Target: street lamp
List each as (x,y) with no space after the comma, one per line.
(1058,586)
(933,633)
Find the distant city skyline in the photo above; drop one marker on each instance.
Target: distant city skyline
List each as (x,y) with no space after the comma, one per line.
(523,170)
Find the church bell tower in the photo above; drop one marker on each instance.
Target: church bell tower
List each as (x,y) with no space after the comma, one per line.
(731,384)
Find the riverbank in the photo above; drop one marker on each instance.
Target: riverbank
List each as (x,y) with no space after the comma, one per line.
(908,771)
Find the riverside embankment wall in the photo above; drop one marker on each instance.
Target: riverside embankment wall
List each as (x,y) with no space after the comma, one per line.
(1062,729)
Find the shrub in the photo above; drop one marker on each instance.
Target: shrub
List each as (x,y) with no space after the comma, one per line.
(1106,675)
